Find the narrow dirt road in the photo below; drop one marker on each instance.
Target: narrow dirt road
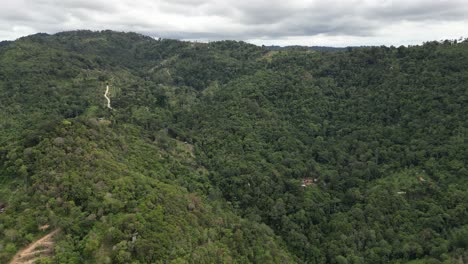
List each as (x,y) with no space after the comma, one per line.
(40,248)
(107,97)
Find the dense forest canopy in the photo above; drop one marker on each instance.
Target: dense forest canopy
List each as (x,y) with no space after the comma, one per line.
(227,152)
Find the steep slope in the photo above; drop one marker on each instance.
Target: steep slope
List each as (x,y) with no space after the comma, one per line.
(380,132)
(118,193)
(108,193)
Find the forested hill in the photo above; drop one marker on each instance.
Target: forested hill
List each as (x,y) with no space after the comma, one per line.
(227,152)
(297,47)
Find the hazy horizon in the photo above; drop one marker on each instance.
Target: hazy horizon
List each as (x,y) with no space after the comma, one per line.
(268,45)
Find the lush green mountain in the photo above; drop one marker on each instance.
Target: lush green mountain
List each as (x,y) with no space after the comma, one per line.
(231,153)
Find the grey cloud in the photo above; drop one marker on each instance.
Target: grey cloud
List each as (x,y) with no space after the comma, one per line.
(88,5)
(421,10)
(225,19)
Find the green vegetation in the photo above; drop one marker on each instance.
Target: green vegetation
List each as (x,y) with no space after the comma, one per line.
(203,158)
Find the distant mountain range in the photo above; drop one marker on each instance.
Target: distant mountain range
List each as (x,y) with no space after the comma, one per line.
(297,47)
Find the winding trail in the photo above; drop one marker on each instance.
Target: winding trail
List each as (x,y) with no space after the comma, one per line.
(107,97)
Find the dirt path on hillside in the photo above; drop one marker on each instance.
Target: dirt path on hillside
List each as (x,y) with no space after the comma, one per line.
(107,97)
(40,248)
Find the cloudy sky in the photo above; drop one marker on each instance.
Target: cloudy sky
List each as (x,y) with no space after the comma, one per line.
(281,22)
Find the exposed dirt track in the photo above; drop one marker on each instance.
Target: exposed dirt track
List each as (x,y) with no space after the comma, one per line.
(40,248)
(107,97)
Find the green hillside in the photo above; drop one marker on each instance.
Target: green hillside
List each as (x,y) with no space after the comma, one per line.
(226,152)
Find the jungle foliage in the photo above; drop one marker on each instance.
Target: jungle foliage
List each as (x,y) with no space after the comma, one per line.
(204,156)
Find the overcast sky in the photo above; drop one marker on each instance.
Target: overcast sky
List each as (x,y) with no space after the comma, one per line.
(281,22)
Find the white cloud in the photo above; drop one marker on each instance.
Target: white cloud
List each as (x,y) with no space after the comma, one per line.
(304,22)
